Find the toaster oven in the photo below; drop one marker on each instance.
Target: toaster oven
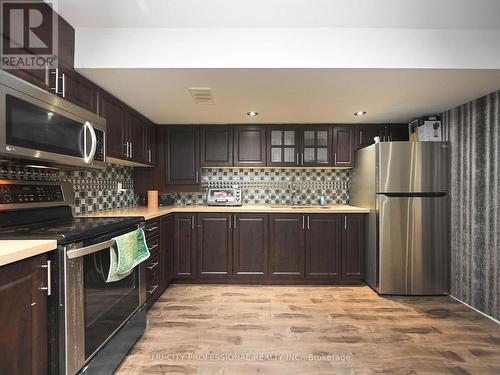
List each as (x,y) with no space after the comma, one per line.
(224,197)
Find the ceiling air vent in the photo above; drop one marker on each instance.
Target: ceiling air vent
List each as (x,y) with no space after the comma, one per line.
(202,95)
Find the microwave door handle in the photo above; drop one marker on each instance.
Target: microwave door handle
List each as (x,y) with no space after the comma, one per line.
(88,127)
(77,253)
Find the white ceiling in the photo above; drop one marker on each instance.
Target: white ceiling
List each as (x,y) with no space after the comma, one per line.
(429,14)
(295,95)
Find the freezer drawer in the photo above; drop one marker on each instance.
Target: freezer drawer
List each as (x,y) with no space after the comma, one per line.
(411,167)
(413,245)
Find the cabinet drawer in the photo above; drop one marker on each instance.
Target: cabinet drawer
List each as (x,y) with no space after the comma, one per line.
(152,228)
(153,244)
(153,274)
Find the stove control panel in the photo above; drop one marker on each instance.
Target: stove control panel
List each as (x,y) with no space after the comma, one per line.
(20,193)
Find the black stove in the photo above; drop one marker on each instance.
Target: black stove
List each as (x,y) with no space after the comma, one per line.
(41,210)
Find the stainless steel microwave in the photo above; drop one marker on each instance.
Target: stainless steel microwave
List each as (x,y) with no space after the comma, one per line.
(37,125)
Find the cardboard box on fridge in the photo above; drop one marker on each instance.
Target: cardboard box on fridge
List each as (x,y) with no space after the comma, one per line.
(426,129)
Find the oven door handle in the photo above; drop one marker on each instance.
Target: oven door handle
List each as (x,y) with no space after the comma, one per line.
(77,253)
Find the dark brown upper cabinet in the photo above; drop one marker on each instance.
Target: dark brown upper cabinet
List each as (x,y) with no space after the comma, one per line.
(65,54)
(151,148)
(74,87)
(343,146)
(249,146)
(112,110)
(365,134)
(181,155)
(136,134)
(283,146)
(24,326)
(216,146)
(316,146)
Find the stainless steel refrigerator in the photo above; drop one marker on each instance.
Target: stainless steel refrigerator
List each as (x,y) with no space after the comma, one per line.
(405,186)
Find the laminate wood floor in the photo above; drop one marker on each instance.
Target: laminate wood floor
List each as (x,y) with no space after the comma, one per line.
(228,329)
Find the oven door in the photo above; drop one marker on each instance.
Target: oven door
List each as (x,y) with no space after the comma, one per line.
(94,310)
(36,125)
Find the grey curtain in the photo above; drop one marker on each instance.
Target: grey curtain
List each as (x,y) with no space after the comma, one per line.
(474,132)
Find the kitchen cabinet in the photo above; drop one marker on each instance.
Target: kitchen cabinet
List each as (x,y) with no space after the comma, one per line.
(181,155)
(72,86)
(286,238)
(116,127)
(24,324)
(151,148)
(216,146)
(343,146)
(65,51)
(250,246)
(323,247)
(353,248)
(154,262)
(136,132)
(283,146)
(364,134)
(185,246)
(215,248)
(249,146)
(316,146)
(167,225)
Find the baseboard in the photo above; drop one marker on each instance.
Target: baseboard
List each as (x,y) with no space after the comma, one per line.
(473,308)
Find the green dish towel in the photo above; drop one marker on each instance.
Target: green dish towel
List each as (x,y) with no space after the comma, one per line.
(129,250)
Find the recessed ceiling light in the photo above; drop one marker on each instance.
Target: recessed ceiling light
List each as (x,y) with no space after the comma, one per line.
(360,113)
(252,113)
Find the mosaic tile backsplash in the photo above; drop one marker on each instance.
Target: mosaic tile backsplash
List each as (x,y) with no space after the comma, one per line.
(272,186)
(95,189)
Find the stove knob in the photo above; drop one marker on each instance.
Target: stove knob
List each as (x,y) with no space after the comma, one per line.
(7,198)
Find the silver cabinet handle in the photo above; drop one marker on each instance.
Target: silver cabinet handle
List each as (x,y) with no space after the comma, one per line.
(235,221)
(297,160)
(197,176)
(302,159)
(56,89)
(63,85)
(153,247)
(153,290)
(153,265)
(345,222)
(230,222)
(126,149)
(131,151)
(192,222)
(152,229)
(48,288)
(335,158)
(150,158)
(303,222)
(308,226)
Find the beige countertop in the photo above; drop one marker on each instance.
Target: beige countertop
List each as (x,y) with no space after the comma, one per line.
(13,250)
(151,213)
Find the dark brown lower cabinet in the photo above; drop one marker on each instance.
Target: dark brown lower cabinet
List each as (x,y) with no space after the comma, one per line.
(250,246)
(167,225)
(185,246)
(286,233)
(23,309)
(353,247)
(214,253)
(323,246)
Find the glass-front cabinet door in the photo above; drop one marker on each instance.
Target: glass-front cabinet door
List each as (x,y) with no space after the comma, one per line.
(316,147)
(283,147)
